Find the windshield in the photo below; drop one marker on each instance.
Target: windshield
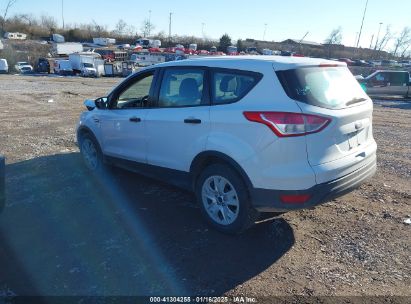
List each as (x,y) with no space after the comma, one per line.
(327,87)
(87,65)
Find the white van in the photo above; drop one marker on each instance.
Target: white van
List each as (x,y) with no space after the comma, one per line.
(4,67)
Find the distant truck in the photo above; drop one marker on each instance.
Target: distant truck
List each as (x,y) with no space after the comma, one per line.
(63,67)
(87,64)
(104,41)
(4,67)
(43,66)
(57,38)
(67,48)
(232,50)
(15,36)
(387,82)
(148,43)
(111,55)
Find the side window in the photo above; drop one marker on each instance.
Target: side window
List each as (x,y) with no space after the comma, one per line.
(231,86)
(135,95)
(380,77)
(398,79)
(181,87)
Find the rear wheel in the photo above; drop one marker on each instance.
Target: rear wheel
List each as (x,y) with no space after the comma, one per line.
(224,200)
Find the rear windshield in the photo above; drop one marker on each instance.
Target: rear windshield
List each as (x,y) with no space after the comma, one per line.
(326,87)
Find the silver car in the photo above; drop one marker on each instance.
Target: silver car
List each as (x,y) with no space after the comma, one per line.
(387,82)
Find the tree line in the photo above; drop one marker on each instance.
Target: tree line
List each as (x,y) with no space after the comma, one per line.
(45,25)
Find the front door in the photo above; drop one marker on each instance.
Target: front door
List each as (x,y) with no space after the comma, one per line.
(123,124)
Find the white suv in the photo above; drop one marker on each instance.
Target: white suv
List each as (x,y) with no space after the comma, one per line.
(247,134)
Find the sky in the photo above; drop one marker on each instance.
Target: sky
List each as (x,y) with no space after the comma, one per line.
(279,20)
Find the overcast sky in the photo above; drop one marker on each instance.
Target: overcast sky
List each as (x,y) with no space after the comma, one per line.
(240,19)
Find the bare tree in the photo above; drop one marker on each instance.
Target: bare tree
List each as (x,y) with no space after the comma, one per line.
(9,5)
(403,41)
(147,27)
(99,29)
(49,23)
(120,28)
(335,37)
(131,31)
(385,39)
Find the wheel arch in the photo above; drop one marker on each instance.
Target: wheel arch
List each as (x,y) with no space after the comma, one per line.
(207,158)
(82,130)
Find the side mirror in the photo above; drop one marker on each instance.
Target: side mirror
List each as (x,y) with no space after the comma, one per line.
(90,104)
(99,103)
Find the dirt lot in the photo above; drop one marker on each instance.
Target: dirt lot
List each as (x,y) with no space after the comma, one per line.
(64,232)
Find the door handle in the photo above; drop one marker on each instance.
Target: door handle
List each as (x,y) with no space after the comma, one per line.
(192,121)
(135,119)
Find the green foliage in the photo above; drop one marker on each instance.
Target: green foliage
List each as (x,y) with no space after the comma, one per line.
(225,41)
(240,45)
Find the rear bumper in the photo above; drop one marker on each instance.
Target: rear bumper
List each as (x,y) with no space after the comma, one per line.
(269,200)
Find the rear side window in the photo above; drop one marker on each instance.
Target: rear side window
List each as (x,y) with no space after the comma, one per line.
(399,79)
(326,87)
(231,86)
(181,88)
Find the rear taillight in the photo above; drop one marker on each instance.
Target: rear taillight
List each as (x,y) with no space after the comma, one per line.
(285,124)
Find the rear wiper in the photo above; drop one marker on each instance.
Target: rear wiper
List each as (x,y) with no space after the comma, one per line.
(355,100)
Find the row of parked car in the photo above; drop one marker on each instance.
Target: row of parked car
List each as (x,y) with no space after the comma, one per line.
(373,63)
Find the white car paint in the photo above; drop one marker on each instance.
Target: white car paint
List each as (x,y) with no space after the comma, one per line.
(270,162)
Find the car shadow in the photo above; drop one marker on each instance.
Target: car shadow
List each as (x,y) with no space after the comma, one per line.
(67,232)
(401,104)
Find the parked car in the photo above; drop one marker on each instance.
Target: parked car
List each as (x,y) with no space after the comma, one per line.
(43,66)
(23,67)
(405,63)
(246,135)
(390,63)
(387,82)
(4,66)
(347,61)
(360,62)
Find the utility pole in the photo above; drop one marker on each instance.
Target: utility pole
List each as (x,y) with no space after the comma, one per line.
(265,30)
(202,29)
(372,38)
(378,36)
(362,23)
(62,12)
(169,28)
(149,23)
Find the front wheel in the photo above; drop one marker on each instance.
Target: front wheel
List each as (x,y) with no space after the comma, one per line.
(91,153)
(224,200)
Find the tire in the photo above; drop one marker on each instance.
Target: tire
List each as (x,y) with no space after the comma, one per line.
(224,199)
(91,153)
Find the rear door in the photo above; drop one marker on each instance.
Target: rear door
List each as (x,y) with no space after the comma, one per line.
(334,93)
(178,127)
(398,83)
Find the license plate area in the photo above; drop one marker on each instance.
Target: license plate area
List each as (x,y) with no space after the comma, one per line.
(357,138)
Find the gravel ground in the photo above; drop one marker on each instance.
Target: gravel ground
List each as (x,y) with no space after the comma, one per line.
(64,232)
